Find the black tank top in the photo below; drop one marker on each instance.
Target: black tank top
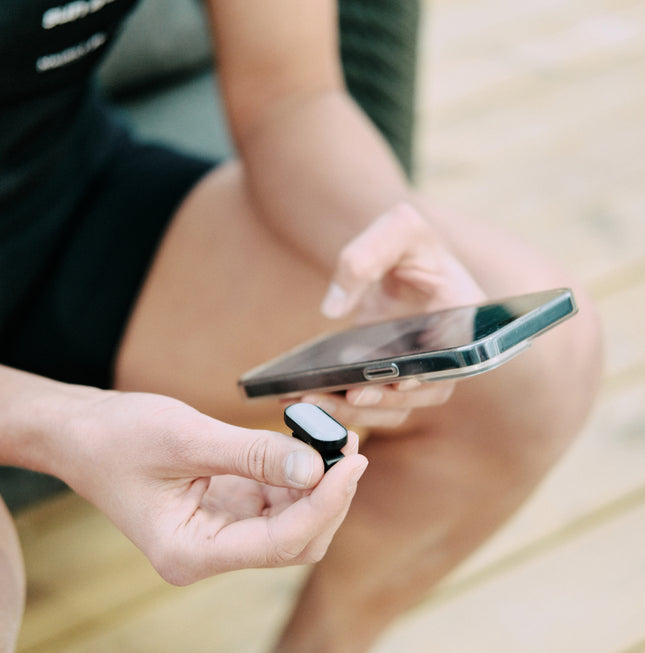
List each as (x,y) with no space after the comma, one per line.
(55,132)
(47,45)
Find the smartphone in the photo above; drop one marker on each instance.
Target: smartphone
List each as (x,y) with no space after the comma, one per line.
(451,343)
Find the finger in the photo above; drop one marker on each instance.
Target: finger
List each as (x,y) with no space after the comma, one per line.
(352,444)
(357,415)
(406,395)
(318,546)
(269,457)
(370,256)
(332,503)
(285,538)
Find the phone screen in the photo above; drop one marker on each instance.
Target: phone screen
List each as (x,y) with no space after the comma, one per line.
(454,342)
(408,336)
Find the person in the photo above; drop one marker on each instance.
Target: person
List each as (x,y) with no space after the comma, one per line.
(139,283)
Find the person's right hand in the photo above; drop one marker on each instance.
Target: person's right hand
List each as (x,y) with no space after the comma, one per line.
(399,265)
(199,496)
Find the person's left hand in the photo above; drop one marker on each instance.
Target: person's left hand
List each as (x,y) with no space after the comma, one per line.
(397,266)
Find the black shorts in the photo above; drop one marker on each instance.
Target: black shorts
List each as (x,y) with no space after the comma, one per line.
(70,324)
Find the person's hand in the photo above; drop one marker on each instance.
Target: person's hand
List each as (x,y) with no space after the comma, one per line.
(199,496)
(397,266)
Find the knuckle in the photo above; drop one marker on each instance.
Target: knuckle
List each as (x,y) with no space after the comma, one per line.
(411,220)
(178,439)
(282,556)
(254,459)
(355,263)
(408,213)
(284,552)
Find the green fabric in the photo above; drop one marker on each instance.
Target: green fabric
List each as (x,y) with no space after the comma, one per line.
(165,39)
(20,487)
(162,41)
(379,47)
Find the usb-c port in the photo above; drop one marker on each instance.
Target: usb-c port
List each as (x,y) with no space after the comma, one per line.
(390,371)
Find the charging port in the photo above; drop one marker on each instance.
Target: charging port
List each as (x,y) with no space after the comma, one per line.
(390,371)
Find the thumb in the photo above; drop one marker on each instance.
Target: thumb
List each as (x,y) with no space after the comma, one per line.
(272,458)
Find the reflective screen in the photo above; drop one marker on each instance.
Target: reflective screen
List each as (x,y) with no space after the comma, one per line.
(422,333)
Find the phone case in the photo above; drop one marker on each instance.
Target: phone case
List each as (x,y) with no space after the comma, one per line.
(427,347)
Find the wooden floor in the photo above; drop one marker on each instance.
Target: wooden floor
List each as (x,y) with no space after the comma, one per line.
(532,115)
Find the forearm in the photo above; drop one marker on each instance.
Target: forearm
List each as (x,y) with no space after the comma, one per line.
(35,418)
(320,172)
(317,168)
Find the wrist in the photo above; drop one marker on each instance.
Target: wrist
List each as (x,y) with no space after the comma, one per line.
(38,421)
(318,156)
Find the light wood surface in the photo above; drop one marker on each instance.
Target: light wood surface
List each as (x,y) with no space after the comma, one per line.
(532,115)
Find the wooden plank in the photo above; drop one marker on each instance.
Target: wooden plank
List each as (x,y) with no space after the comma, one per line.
(78,566)
(555,153)
(236,612)
(623,315)
(91,589)
(604,468)
(607,461)
(585,595)
(639,647)
(487,50)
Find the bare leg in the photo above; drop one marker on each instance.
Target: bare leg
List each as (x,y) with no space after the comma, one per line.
(449,478)
(225,293)
(12,582)
(431,497)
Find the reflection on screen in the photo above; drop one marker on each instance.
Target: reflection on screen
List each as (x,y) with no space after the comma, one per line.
(407,336)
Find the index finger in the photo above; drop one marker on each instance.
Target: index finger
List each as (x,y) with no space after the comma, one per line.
(367,258)
(406,394)
(290,536)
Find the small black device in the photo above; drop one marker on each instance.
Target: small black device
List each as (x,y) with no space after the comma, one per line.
(452,343)
(319,430)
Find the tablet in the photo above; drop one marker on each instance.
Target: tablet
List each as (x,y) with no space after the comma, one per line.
(451,343)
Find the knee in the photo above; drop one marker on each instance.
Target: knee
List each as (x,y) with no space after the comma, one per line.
(518,420)
(12,582)
(567,380)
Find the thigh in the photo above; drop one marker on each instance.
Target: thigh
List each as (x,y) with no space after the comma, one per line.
(223,294)
(12,582)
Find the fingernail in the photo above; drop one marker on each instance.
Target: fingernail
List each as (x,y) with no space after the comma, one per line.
(299,468)
(333,306)
(368,397)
